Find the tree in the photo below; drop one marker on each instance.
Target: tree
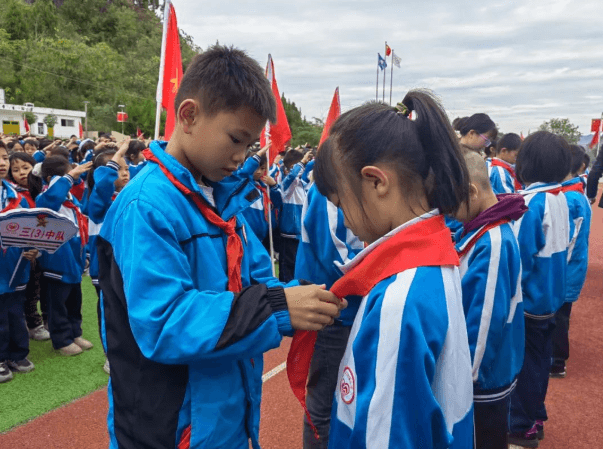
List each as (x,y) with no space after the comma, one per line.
(302,131)
(30,117)
(562,127)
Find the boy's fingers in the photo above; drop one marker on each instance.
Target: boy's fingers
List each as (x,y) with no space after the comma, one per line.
(327,296)
(327,308)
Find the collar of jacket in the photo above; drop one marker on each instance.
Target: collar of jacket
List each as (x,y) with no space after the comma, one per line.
(540,187)
(232,195)
(572,181)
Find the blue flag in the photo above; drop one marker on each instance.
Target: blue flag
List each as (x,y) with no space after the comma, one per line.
(381,62)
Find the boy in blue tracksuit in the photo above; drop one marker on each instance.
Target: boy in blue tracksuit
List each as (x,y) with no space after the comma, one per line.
(543,236)
(491,280)
(502,167)
(293,191)
(325,245)
(189,304)
(577,259)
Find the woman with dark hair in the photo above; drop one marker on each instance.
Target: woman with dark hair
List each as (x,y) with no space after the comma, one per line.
(477,132)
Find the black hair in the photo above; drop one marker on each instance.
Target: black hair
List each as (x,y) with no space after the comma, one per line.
(134,149)
(425,151)
(586,160)
(60,151)
(543,157)
(225,79)
(3,145)
(34,183)
(44,143)
(88,145)
(577,153)
(510,141)
(11,144)
(32,142)
(292,157)
(480,123)
(491,150)
(99,160)
(55,166)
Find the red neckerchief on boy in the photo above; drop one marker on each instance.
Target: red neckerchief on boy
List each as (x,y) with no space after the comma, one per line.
(496,162)
(267,203)
(425,243)
(77,190)
(234,246)
(82,221)
(553,189)
(510,207)
(26,194)
(12,203)
(575,187)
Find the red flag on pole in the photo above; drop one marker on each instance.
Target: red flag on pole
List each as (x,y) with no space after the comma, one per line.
(122,117)
(138,132)
(278,133)
(172,74)
(26,125)
(334,112)
(81,131)
(596,126)
(388,50)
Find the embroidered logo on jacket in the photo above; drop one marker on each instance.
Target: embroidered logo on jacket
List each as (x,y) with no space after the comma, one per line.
(347,386)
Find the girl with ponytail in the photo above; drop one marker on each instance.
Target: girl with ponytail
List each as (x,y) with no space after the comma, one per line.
(405,378)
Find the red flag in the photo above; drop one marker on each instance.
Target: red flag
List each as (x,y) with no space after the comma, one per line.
(278,133)
(172,72)
(521,135)
(122,117)
(26,125)
(334,112)
(596,126)
(388,50)
(138,132)
(81,131)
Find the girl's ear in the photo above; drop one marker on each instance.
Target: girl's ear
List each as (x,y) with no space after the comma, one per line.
(188,114)
(377,179)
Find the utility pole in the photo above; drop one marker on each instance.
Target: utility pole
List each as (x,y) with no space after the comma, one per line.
(86,118)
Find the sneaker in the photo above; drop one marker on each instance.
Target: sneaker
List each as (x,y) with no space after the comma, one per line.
(83,343)
(540,429)
(39,333)
(557,372)
(71,349)
(5,373)
(106,367)
(524,439)
(46,326)
(22,366)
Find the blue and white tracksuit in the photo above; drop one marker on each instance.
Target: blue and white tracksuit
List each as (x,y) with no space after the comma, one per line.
(135,169)
(182,348)
(577,254)
(500,179)
(492,301)
(293,194)
(405,378)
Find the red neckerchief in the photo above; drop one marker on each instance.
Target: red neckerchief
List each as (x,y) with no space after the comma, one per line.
(27,195)
(234,246)
(426,243)
(478,235)
(77,190)
(552,190)
(500,163)
(13,203)
(576,187)
(267,203)
(82,221)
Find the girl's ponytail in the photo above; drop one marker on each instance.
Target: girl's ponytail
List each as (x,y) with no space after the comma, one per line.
(448,182)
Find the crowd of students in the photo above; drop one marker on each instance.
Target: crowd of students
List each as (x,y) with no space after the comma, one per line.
(438,264)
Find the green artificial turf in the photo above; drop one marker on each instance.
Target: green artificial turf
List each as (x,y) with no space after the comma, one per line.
(57,379)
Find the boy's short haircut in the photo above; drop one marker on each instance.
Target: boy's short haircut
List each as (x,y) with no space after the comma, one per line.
(44,143)
(32,142)
(292,157)
(543,157)
(225,79)
(478,171)
(134,148)
(10,145)
(577,158)
(54,166)
(59,151)
(509,141)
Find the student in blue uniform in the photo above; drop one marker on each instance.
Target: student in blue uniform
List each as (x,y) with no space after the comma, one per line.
(134,157)
(293,194)
(325,245)
(492,300)
(188,300)
(577,258)
(405,378)
(502,167)
(14,337)
(62,271)
(543,235)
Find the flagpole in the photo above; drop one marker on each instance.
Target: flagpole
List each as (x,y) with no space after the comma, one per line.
(391,80)
(159,96)
(600,130)
(384,72)
(269,70)
(377,92)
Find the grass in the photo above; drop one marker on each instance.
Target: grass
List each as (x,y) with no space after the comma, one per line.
(56,379)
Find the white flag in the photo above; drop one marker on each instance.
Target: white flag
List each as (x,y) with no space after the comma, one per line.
(396,60)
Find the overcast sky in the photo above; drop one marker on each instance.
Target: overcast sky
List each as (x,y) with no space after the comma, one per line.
(521,62)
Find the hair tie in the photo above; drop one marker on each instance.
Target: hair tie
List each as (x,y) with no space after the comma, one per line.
(402,109)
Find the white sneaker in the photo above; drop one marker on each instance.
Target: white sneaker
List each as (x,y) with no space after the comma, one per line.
(83,343)
(39,333)
(20,366)
(5,373)
(106,367)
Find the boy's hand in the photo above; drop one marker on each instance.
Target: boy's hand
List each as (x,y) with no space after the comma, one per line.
(311,307)
(268,180)
(76,172)
(123,147)
(307,158)
(31,254)
(263,151)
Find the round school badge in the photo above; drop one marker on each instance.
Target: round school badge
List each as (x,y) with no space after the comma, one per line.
(347,386)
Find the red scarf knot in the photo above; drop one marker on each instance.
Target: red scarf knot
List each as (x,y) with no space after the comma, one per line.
(500,163)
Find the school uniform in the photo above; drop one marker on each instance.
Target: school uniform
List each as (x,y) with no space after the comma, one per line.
(39,156)
(492,301)
(543,236)
(577,263)
(293,195)
(184,343)
(62,271)
(14,338)
(134,169)
(325,245)
(405,377)
(502,177)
